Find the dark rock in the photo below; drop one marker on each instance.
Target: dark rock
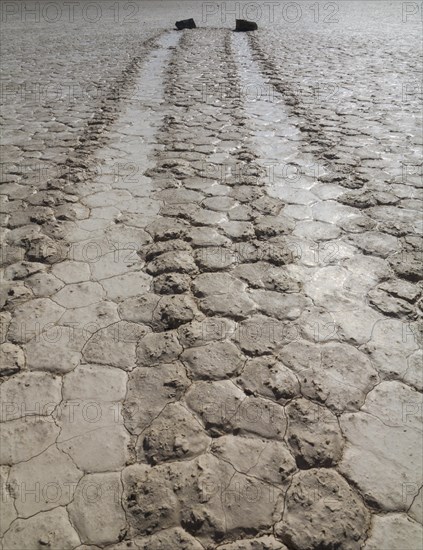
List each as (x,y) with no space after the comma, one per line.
(242,25)
(185,24)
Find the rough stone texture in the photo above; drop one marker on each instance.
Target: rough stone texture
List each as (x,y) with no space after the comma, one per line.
(384,299)
(96,508)
(8,511)
(174,311)
(414,375)
(44,285)
(156,348)
(235,305)
(215,258)
(267,377)
(313,434)
(25,438)
(368,462)
(326,374)
(149,499)
(216,403)
(92,434)
(174,434)
(149,391)
(195,500)
(72,272)
(281,306)
(394,531)
(172,283)
(396,404)
(214,361)
(416,509)
(57,350)
(208,284)
(12,359)
(322,510)
(271,226)
(95,381)
(169,538)
(390,342)
(115,345)
(199,333)
(52,529)
(212,283)
(31,318)
(79,295)
(52,474)
(269,461)
(179,262)
(260,335)
(126,286)
(140,308)
(90,319)
(262,543)
(29,393)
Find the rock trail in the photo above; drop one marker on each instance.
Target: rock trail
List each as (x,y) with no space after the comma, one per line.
(219,361)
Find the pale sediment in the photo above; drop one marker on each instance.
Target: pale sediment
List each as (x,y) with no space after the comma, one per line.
(227,365)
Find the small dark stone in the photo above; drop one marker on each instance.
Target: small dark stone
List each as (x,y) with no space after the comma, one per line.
(8,371)
(185,24)
(242,25)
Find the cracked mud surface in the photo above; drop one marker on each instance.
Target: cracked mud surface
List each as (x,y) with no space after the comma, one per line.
(200,350)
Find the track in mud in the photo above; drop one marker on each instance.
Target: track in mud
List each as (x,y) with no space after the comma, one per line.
(227,375)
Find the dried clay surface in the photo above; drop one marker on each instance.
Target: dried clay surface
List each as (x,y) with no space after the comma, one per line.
(211,286)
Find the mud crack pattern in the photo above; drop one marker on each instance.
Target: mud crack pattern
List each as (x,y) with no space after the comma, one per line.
(219,389)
